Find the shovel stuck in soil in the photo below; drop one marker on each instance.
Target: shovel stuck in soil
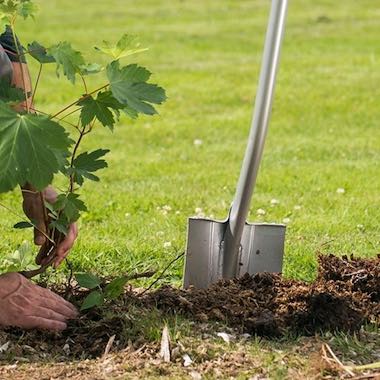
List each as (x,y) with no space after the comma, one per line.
(231,248)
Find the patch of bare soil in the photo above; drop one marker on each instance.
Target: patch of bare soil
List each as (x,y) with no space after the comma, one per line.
(344,296)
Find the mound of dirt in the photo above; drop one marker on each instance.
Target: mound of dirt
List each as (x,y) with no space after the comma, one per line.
(344,296)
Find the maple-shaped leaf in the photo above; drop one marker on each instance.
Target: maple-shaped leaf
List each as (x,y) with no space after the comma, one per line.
(129,86)
(127,45)
(103,108)
(71,60)
(31,147)
(69,207)
(86,164)
(10,93)
(39,53)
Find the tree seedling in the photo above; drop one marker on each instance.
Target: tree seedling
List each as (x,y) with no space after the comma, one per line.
(36,146)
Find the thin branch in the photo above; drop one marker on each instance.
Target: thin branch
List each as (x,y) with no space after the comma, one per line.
(22,217)
(36,85)
(82,133)
(162,273)
(84,84)
(70,113)
(45,113)
(81,98)
(135,276)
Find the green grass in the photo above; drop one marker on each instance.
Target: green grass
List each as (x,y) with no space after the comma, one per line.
(324,131)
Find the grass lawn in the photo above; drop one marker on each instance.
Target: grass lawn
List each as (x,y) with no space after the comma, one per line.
(324,131)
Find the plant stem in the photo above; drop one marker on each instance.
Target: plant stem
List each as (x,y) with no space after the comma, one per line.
(81,98)
(20,63)
(36,85)
(21,217)
(84,84)
(162,273)
(70,113)
(81,134)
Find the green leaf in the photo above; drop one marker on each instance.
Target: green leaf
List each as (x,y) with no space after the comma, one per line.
(31,147)
(91,68)
(22,225)
(127,45)
(115,288)
(95,298)
(61,224)
(10,93)
(69,206)
(129,87)
(103,108)
(87,280)
(87,163)
(27,9)
(39,53)
(70,59)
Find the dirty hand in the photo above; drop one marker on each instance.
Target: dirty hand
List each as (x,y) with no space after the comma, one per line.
(26,305)
(34,210)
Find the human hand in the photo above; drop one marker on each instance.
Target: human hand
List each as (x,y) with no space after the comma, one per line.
(35,210)
(26,305)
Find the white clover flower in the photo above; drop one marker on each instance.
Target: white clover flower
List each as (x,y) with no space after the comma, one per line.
(164,212)
(286,220)
(167,244)
(340,190)
(197,142)
(274,202)
(127,214)
(177,212)
(166,208)
(260,211)
(297,207)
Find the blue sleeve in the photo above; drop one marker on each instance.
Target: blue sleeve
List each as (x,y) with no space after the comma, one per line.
(8,43)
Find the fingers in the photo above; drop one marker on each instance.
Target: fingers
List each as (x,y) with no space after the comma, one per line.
(34,210)
(63,248)
(65,311)
(32,322)
(54,302)
(27,305)
(50,194)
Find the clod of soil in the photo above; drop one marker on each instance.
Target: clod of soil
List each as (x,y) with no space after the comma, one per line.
(344,296)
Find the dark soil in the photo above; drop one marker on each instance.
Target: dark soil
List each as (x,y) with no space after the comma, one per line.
(344,297)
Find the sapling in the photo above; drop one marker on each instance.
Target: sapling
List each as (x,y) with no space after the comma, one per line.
(35,146)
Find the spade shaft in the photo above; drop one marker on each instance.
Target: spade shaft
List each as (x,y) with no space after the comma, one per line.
(261,115)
